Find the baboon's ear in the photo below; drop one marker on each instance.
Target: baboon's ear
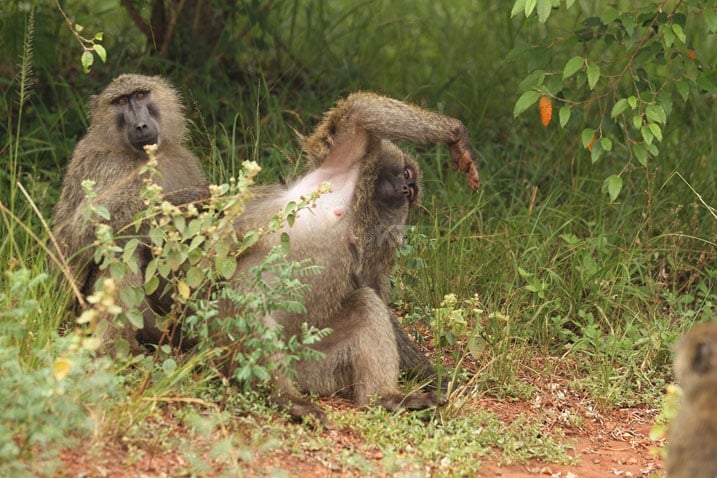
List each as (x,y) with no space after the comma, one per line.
(703,355)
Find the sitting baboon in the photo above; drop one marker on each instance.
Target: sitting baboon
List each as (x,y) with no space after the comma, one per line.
(353,233)
(692,441)
(131,112)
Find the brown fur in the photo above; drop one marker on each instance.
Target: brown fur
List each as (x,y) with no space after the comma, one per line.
(353,234)
(106,156)
(692,443)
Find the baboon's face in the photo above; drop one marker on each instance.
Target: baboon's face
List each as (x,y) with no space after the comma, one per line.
(397,185)
(137,117)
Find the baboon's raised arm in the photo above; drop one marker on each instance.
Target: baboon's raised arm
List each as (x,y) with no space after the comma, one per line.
(345,131)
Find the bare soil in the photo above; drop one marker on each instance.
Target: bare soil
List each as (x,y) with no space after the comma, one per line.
(612,443)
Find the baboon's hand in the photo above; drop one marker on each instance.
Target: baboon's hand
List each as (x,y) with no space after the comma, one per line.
(187,195)
(463,159)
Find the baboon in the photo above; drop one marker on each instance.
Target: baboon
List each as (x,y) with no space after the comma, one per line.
(353,233)
(692,441)
(131,112)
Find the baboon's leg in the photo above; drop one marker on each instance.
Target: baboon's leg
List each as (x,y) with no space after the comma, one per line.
(361,357)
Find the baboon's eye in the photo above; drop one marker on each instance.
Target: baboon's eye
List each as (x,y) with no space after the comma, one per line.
(122,100)
(408,173)
(139,95)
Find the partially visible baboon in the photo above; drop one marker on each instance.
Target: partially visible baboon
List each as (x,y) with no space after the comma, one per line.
(133,111)
(692,441)
(353,233)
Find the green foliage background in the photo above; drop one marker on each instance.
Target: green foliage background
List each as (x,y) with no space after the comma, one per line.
(550,258)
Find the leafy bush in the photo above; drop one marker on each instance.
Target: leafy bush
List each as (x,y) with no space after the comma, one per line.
(195,251)
(637,61)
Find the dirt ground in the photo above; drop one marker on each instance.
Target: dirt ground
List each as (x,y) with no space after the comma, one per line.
(614,443)
(608,443)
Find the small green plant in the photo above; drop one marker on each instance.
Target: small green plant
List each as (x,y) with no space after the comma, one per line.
(47,388)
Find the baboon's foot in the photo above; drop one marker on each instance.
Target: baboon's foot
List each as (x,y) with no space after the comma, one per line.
(413,401)
(302,411)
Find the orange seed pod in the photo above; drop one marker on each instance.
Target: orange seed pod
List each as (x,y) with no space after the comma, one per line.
(546,110)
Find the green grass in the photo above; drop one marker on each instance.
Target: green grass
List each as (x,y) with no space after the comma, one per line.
(558,270)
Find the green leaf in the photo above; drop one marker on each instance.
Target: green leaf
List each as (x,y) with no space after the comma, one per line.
(569,3)
(151,285)
(564,116)
(102,212)
(640,153)
(518,7)
(117,271)
(174,258)
(655,130)
(169,366)
(87,59)
(101,52)
(596,152)
(637,121)
(587,136)
(221,249)
(249,240)
(135,318)
(545,7)
(529,7)
(227,267)
(98,36)
(593,75)
(606,144)
(533,80)
(619,107)
(669,37)
(195,277)
(525,101)
(131,296)
(614,186)
(150,270)
(609,16)
(285,241)
(628,23)
(679,32)
(572,66)
(656,113)
(632,101)
(647,135)
(156,235)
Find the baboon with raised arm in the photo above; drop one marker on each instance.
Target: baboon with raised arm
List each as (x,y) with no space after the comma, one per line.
(133,111)
(353,233)
(692,441)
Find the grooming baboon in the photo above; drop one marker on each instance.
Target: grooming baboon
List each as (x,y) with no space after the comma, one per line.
(133,111)
(353,233)
(692,441)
